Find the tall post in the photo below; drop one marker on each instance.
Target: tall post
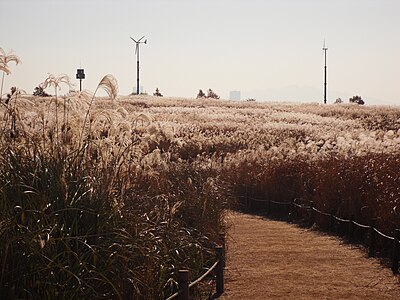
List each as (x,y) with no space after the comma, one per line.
(80,74)
(325,71)
(138,42)
(137,70)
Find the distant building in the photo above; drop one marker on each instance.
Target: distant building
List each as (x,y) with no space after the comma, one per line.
(234,95)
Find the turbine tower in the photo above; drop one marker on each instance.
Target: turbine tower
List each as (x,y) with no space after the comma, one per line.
(324,48)
(138,42)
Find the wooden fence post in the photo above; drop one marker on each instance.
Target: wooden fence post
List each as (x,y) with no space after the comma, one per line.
(223,244)
(351,228)
(312,216)
(219,270)
(290,215)
(183,283)
(372,240)
(246,201)
(396,252)
(268,206)
(332,222)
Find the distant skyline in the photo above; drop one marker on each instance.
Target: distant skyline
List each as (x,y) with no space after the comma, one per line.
(267,49)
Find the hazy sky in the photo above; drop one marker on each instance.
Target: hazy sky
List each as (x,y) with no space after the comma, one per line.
(269,49)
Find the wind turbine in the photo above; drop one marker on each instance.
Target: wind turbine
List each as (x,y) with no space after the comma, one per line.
(138,42)
(324,48)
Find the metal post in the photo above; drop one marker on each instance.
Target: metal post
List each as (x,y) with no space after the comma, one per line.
(325,71)
(80,74)
(325,81)
(396,252)
(219,270)
(137,74)
(138,42)
(183,282)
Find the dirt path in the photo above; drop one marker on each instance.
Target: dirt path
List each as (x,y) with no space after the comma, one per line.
(275,260)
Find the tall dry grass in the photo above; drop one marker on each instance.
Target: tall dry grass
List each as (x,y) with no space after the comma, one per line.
(364,188)
(342,157)
(90,210)
(133,188)
(5,59)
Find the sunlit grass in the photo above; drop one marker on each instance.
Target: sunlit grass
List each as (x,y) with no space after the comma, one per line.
(109,197)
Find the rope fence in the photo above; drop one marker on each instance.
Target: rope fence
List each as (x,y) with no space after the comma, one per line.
(336,224)
(184,285)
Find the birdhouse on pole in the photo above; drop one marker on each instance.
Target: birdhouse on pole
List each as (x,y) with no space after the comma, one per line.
(80,74)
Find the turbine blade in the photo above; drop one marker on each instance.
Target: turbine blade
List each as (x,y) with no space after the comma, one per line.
(145,41)
(133,40)
(140,39)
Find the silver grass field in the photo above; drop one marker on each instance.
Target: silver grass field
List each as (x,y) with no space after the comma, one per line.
(107,197)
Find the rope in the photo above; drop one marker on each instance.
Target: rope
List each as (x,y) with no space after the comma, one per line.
(361,225)
(173,296)
(204,275)
(282,203)
(266,200)
(384,235)
(322,213)
(342,220)
(259,200)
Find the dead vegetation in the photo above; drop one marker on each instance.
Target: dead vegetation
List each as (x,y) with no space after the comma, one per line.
(151,176)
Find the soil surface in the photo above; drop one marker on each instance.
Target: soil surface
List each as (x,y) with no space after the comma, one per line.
(275,260)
